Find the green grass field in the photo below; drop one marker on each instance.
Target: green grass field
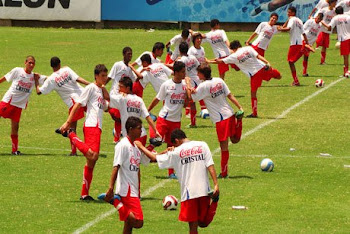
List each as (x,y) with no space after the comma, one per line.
(306,193)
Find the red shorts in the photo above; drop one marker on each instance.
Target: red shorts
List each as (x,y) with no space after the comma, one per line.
(133,205)
(8,111)
(323,40)
(165,127)
(79,114)
(137,89)
(294,53)
(223,67)
(194,209)
(262,74)
(259,50)
(92,137)
(345,47)
(143,140)
(115,114)
(168,59)
(226,128)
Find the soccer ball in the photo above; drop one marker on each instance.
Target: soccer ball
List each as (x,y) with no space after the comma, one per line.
(170,202)
(319,83)
(267,165)
(347,74)
(337,45)
(204,114)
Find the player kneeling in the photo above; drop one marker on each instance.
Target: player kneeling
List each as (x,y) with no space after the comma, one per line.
(192,160)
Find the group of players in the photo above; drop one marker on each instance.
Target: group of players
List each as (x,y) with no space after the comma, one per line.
(191,82)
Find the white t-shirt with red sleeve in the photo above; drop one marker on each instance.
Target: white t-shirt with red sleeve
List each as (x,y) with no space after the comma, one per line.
(246,60)
(92,98)
(311,30)
(214,93)
(153,59)
(119,70)
(190,161)
(174,95)
(129,158)
(22,85)
(176,40)
(129,105)
(217,39)
(191,64)
(158,74)
(198,53)
(64,82)
(327,17)
(265,33)
(296,31)
(342,22)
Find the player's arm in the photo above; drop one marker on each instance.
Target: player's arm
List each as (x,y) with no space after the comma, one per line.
(151,124)
(82,81)
(263,59)
(110,191)
(66,125)
(153,104)
(215,61)
(312,12)
(37,88)
(105,92)
(234,101)
(305,39)
(212,173)
(328,27)
(138,74)
(145,151)
(2,79)
(254,34)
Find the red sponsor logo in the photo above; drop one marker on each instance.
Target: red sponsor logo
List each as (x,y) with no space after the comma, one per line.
(178,96)
(25,85)
(132,103)
(216,88)
(190,152)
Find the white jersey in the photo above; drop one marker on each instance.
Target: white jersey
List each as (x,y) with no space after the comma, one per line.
(296,31)
(129,158)
(321,4)
(158,74)
(265,33)
(214,93)
(176,42)
(174,96)
(246,60)
(342,22)
(345,4)
(190,161)
(64,82)
(191,64)
(311,30)
(22,85)
(92,98)
(198,53)
(153,59)
(119,70)
(327,17)
(217,39)
(129,105)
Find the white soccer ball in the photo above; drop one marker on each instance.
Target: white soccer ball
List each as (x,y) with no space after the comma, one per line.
(204,114)
(170,202)
(267,165)
(347,74)
(337,45)
(319,83)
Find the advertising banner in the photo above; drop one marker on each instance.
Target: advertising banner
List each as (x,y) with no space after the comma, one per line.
(50,10)
(203,10)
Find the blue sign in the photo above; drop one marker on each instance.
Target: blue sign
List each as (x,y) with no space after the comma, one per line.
(203,10)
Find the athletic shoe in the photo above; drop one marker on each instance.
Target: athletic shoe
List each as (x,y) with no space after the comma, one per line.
(172,176)
(16,153)
(251,116)
(191,126)
(103,195)
(87,198)
(239,114)
(214,199)
(153,117)
(220,176)
(65,134)
(324,63)
(71,154)
(295,84)
(157,141)
(256,11)
(305,75)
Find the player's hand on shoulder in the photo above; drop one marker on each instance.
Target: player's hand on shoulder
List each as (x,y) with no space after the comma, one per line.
(171,148)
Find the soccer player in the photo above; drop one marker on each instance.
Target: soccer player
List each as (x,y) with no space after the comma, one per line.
(94,98)
(219,43)
(296,49)
(345,4)
(312,28)
(157,51)
(321,4)
(65,82)
(265,32)
(256,67)
(125,177)
(173,93)
(17,96)
(175,41)
(342,22)
(191,64)
(214,92)
(323,37)
(192,161)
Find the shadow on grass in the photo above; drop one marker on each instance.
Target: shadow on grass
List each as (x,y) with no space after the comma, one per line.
(150,198)
(162,177)
(275,86)
(240,177)
(88,202)
(239,96)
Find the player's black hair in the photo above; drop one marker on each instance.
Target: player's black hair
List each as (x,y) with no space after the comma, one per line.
(214,22)
(205,69)
(339,10)
(293,9)
(158,46)
(320,15)
(30,57)
(132,122)
(178,66)
(177,134)
(100,68)
(146,58)
(127,82)
(235,45)
(183,47)
(274,14)
(195,36)
(185,33)
(126,49)
(55,62)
